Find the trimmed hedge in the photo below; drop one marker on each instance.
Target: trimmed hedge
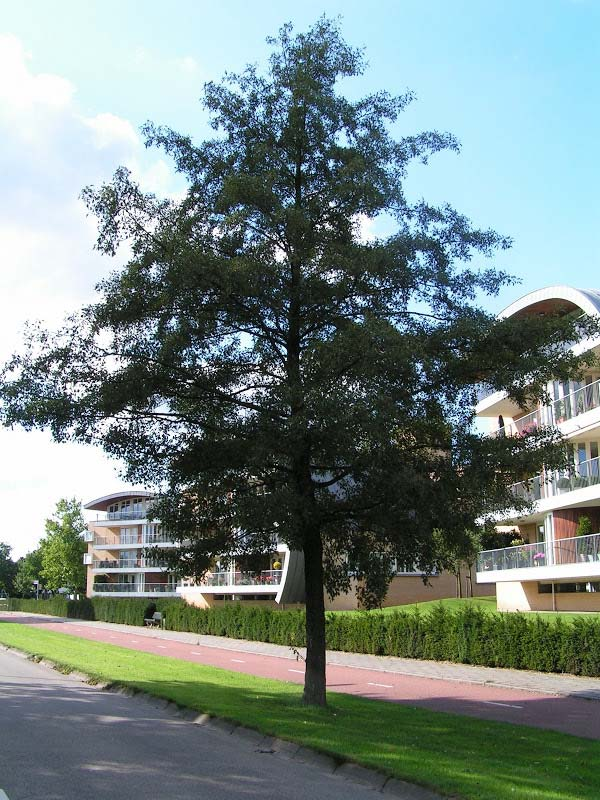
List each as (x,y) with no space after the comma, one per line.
(468,636)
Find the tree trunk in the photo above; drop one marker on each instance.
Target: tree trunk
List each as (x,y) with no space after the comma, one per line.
(458,584)
(314,679)
(469,580)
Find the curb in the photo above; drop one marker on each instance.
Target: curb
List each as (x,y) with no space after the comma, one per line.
(347,770)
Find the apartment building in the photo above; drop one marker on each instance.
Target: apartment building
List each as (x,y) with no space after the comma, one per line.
(116,562)
(118,567)
(558,565)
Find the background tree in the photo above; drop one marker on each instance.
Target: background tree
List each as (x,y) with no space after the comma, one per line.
(63,547)
(274,372)
(8,569)
(458,555)
(29,569)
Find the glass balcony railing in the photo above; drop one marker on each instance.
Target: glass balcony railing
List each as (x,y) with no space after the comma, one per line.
(128,563)
(130,538)
(129,513)
(554,484)
(578,402)
(572,405)
(133,539)
(266,577)
(134,588)
(575,550)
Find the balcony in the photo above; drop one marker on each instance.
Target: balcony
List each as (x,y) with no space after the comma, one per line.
(132,540)
(559,482)
(576,403)
(135,513)
(130,563)
(266,577)
(126,539)
(575,557)
(134,588)
(521,426)
(572,405)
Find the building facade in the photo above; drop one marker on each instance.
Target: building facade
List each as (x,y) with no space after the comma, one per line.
(117,566)
(558,565)
(117,539)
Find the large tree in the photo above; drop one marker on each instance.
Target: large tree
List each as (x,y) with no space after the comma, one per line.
(29,569)
(276,372)
(62,548)
(8,569)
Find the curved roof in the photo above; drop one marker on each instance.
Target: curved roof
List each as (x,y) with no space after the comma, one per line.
(552,297)
(101,502)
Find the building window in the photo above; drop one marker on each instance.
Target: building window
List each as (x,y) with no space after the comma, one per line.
(569,588)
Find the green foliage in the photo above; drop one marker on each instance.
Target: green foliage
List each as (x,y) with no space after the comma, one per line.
(468,635)
(8,569)
(277,372)
(29,569)
(584,526)
(63,547)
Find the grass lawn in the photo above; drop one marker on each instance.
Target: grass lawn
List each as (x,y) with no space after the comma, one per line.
(487,604)
(456,755)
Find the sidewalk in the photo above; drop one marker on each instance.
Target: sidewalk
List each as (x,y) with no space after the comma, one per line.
(546,683)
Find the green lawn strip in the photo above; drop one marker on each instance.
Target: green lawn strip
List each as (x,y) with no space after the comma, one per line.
(450,753)
(486,604)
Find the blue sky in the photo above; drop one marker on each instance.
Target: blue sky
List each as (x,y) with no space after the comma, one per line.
(516,82)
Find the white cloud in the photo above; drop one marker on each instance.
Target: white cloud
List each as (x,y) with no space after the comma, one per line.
(109,130)
(48,268)
(366,228)
(188,65)
(20,90)
(150,61)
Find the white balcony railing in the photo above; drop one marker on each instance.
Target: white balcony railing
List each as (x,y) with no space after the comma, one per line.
(574,550)
(133,588)
(266,577)
(126,538)
(559,482)
(128,563)
(136,513)
(572,405)
(578,402)
(133,538)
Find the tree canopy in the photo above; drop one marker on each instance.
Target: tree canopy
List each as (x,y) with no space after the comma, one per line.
(275,371)
(8,569)
(29,569)
(62,548)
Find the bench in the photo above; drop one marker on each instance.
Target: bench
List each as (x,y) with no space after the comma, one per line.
(155,621)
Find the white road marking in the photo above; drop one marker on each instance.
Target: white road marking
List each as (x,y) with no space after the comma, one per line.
(383,685)
(162,646)
(3,795)
(196,653)
(505,705)
(238,660)
(299,671)
(134,641)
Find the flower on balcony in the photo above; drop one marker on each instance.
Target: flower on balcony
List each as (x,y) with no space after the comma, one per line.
(537,557)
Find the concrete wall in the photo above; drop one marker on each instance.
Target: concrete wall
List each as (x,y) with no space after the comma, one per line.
(411,589)
(566,519)
(515,596)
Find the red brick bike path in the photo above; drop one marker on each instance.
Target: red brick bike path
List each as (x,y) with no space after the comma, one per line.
(579,716)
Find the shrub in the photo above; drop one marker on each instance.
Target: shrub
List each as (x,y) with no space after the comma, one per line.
(467,636)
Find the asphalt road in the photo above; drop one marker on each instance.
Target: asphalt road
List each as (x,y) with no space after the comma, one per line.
(568,714)
(64,740)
